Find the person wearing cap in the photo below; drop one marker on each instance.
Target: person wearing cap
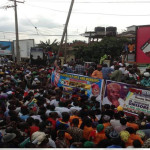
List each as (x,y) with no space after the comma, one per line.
(125,137)
(146,79)
(98,73)
(113,95)
(97,135)
(115,140)
(88,144)
(96,92)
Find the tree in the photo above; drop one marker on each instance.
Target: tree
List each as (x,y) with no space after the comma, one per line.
(93,52)
(47,46)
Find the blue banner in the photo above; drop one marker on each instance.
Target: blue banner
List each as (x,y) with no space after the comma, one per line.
(69,81)
(5,48)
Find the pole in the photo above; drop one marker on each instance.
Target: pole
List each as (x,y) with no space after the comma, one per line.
(17,36)
(65,28)
(65,47)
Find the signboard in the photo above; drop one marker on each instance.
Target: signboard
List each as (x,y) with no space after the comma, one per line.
(68,81)
(143,44)
(115,93)
(138,100)
(132,99)
(5,48)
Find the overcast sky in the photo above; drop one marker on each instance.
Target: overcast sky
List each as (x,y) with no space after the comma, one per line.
(43,19)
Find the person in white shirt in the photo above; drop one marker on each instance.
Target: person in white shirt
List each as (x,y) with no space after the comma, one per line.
(75,107)
(54,102)
(116,121)
(62,109)
(51,108)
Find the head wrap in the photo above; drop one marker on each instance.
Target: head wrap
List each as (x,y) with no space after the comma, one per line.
(114,135)
(140,133)
(88,144)
(100,127)
(124,135)
(120,108)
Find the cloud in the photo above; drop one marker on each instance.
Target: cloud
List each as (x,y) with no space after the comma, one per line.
(40,22)
(7,24)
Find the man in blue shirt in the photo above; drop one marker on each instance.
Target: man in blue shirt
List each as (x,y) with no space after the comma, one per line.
(106,72)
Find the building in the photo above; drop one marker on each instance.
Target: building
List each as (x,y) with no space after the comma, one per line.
(99,33)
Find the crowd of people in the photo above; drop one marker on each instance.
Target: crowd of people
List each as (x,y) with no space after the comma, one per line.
(36,114)
(118,71)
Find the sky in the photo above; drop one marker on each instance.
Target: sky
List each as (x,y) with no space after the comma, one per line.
(45,19)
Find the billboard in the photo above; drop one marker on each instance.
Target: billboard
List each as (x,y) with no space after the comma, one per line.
(132,99)
(5,48)
(69,81)
(137,101)
(24,47)
(143,44)
(115,93)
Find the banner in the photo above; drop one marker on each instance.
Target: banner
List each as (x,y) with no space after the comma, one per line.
(138,100)
(143,44)
(132,99)
(68,81)
(115,93)
(5,48)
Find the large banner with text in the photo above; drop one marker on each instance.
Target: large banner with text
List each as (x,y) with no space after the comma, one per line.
(138,100)
(68,81)
(132,99)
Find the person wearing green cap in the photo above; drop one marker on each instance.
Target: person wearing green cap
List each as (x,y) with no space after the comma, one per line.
(97,135)
(88,144)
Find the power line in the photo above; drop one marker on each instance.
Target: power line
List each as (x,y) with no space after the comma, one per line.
(86,2)
(92,13)
(6,3)
(9,32)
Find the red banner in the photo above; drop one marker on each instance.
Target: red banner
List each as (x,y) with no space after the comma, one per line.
(143,44)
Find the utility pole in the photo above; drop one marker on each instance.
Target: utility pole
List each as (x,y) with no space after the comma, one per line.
(65,53)
(65,28)
(16,29)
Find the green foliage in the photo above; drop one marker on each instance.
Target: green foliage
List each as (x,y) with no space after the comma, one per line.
(93,52)
(47,46)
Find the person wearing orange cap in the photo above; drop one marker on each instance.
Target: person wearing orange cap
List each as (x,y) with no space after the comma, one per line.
(96,92)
